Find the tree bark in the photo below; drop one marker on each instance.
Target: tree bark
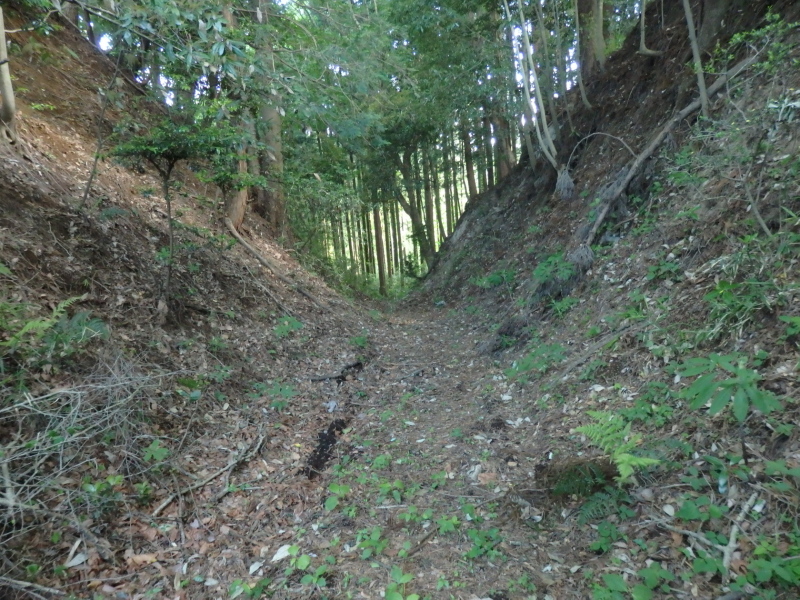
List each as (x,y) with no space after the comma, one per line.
(487,150)
(381,255)
(714,12)
(8,107)
(467,143)
(698,62)
(430,223)
(410,207)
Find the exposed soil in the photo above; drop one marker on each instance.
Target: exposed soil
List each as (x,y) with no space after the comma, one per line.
(264,401)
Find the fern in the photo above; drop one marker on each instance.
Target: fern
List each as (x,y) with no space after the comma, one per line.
(612,434)
(39,327)
(580,480)
(602,504)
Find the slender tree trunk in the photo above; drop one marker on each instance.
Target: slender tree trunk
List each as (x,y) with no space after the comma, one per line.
(237,199)
(8,107)
(411,208)
(465,140)
(488,151)
(456,208)
(448,192)
(429,218)
(381,256)
(437,195)
(698,62)
(351,241)
(398,237)
(387,228)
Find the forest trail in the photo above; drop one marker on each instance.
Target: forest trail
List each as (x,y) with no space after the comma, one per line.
(436,463)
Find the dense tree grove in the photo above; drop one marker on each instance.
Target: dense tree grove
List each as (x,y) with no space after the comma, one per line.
(364,126)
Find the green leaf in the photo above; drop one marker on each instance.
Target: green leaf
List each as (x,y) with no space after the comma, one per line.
(701,390)
(689,512)
(394,595)
(331,503)
(720,400)
(615,582)
(741,404)
(640,592)
(303,562)
(694,366)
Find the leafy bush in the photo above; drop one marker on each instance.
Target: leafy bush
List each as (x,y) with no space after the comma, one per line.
(726,380)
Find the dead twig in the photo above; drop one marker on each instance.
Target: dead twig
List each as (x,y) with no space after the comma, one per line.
(730,547)
(269,264)
(244,457)
(34,589)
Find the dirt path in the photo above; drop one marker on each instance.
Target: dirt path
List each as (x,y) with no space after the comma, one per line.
(437,461)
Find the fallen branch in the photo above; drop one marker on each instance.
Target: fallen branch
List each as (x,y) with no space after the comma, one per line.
(244,457)
(341,376)
(269,264)
(269,293)
(102,551)
(658,140)
(728,550)
(33,589)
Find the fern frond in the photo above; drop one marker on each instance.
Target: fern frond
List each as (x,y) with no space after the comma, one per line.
(62,307)
(613,436)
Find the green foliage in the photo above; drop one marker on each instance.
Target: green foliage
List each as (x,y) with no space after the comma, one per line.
(723,380)
(286,326)
(360,341)
(652,406)
(371,541)
(538,361)
(396,590)
(579,479)
(554,268)
(563,306)
(155,452)
(601,504)
(607,534)
(484,543)
(497,278)
(772,40)
(664,270)
(612,434)
(338,493)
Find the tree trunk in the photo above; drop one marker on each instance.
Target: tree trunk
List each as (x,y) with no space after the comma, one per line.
(429,218)
(272,158)
(410,207)
(504,146)
(437,199)
(698,63)
(236,203)
(394,208)
(8,108)
(350,241)
(447,190)
(488,150)
(714,12)
(593,50)
(389,240)
(381,255)
(467,143)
